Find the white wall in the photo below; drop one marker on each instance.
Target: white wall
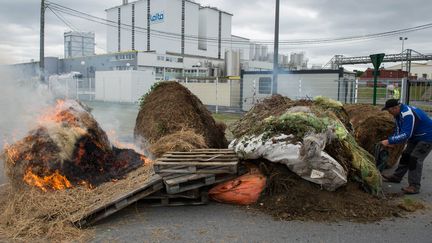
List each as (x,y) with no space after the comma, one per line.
(293,86)
(242,45)
(206,92)
(191,28)
(123,86)
(140,22)
(225,33)
(126,32)
(112,40)
(170,24)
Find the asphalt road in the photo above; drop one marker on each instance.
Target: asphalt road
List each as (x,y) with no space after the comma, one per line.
(227,223)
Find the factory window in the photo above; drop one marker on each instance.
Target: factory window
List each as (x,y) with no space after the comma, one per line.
(180,59)
(265,85)
(160,58)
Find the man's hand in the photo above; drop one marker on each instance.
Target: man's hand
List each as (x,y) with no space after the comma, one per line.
(386,143)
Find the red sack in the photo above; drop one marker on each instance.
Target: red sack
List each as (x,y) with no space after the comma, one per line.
(243,190)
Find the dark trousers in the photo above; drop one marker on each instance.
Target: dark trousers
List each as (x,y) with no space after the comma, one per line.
(412,161)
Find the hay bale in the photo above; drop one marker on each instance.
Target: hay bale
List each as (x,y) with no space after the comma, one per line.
(181,141)
(371,125)
(30,215)
(253,120)
(169,108)
(322,115)
(67,148)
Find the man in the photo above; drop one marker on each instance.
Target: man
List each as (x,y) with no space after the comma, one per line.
(414,127)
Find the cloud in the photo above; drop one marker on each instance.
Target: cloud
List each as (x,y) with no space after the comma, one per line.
(254,19)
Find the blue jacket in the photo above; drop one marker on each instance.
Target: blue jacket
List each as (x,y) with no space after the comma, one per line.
(412,124)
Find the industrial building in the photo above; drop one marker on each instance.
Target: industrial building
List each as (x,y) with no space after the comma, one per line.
(180,27)
(150,41)
(79,44)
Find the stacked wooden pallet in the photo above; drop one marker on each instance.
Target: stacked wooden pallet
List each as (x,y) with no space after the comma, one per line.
(181,179)
(186,172)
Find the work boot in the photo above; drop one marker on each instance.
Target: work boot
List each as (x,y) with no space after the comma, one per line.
(391,178)
(410,190)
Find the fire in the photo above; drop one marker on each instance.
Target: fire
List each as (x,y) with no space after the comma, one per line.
(55,181)
(58,114)
(146,161)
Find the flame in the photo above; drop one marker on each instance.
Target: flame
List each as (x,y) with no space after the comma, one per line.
(55,181)
(58,114)
(145,160)
(86,184)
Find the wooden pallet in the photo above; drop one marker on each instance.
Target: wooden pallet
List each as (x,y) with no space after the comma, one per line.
(199,161)
(167,200)
(177,183)
(151,186)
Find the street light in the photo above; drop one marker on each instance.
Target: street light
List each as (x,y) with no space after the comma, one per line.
(403,39)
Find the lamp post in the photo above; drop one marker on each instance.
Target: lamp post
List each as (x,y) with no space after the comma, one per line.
(83,63)
(403,39)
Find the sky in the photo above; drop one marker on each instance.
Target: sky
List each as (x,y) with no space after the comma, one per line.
(254,19)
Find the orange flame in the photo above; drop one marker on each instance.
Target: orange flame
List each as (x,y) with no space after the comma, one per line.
(146,161)
(58,114)
(55,181)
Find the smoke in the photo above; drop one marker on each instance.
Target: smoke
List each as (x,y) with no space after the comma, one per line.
(22,100)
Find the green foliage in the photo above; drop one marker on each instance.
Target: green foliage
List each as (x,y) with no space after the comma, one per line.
(327,103)
(142,99)
(297,123)
(300,124)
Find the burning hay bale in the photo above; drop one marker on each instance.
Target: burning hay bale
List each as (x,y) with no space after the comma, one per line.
(371,125)
(304,122)
(60,172)
(170,108)
(68,148)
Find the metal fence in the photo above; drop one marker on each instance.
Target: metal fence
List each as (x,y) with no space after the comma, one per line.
(419,93)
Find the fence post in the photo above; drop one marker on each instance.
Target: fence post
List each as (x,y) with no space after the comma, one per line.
(217,86)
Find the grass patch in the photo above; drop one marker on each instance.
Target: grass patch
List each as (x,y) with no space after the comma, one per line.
(410,204)
(228,119)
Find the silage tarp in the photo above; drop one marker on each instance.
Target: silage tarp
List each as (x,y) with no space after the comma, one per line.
(307,159)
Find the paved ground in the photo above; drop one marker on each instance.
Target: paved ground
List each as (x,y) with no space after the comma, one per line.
(226,223)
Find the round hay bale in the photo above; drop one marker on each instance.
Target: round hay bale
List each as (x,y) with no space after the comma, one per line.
(182,141)
(170,108)
(371,125)
(67,148)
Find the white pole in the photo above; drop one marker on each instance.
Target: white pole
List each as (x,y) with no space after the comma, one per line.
(76,88)
(356,91)
(300,89)
(217,86)
(403,90)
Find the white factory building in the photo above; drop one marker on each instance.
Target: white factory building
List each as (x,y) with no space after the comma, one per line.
(182,38)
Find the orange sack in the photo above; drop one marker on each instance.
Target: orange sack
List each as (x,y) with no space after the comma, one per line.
(243,190)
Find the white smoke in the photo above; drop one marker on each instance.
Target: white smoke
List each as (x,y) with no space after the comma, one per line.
(22,100)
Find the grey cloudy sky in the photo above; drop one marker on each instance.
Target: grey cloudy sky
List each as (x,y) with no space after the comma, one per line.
(300,19)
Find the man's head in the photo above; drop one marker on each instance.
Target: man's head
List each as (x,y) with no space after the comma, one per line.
(392,106)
